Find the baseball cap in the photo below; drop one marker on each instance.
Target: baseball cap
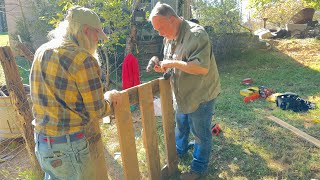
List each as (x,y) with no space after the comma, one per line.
(84,15)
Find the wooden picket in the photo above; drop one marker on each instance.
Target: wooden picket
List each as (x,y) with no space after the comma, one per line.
(143,94)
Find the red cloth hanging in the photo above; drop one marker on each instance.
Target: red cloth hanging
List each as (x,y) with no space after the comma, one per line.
(130,72)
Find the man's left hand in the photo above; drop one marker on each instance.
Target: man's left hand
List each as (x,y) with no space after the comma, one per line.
(113,96)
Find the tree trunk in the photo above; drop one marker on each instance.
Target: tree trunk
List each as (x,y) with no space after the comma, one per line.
(21,104)
(26,52)
(131,40)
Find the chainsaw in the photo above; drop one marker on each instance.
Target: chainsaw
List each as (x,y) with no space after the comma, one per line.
(254,93)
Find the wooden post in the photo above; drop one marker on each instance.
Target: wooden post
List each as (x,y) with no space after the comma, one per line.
(168,127)
(150,135)
(21,104)
(28,54)
(126,138)
(265,22)
(143,94)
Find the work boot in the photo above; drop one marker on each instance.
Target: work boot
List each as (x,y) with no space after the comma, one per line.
(191,175)
(190,146)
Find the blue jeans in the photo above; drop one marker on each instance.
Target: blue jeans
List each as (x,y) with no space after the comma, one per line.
(199,122)
(64,161)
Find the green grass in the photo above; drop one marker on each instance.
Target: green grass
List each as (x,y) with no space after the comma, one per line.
(4,39)
(251,146)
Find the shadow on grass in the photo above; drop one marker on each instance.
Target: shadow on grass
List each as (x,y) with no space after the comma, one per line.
(254,147)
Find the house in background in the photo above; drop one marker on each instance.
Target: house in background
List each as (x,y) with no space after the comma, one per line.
(3,20)
(23,10)
(17,10)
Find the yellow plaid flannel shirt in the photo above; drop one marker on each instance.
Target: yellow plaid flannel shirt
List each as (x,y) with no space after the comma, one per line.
(66,89)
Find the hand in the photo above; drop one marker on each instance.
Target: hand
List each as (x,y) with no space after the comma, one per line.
(157,68)
(154,61)
(113,96)
(167,64)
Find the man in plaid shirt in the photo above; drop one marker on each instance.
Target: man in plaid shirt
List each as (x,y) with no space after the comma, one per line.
(68,98)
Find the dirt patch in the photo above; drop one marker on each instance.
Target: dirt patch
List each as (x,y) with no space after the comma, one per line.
(304,51)
(14,158)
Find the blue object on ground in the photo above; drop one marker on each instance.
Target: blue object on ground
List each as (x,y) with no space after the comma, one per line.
(133,108)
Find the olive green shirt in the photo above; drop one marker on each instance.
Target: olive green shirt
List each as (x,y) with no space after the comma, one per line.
(192,45)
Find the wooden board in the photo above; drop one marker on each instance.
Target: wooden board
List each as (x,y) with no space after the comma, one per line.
(8,119)
(298,132)
(150,135)
(20,103)
(168,126)
(127,138)
(133,91)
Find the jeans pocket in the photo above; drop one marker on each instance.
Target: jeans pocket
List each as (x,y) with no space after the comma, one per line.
(59,164)
(83,151)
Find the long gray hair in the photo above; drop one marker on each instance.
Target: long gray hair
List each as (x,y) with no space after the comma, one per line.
(68,30)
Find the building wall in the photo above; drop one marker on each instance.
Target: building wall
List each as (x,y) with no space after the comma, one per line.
(14,12)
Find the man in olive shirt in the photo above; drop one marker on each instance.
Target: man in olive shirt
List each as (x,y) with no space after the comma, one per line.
(195,82)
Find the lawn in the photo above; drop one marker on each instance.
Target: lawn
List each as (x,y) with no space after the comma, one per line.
(4,41)
(251,146)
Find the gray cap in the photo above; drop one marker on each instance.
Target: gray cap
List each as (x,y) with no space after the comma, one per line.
(84,15)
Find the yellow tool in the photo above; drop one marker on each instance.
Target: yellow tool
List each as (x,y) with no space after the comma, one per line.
(273,97)
(316,120)
(249,91)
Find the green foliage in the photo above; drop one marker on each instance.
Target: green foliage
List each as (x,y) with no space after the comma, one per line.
(27,175)
(22,32)
(259,4)
(313,3)
(223,16)
(114,15)
(24,69)
(278,13)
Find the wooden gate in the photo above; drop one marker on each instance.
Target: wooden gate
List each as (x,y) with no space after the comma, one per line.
(143,94)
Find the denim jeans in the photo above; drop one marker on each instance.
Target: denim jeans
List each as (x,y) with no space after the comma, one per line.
(64,161)
(199,122)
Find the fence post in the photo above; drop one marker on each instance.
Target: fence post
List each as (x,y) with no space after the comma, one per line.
(168,127)
(150,135)
(21,104)
(127,138)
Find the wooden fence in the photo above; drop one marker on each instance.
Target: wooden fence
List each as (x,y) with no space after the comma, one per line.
(143,94)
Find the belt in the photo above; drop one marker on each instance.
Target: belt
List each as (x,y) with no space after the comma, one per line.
(60,139)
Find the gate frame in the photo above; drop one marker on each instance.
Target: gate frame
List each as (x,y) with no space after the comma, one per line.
(143,94)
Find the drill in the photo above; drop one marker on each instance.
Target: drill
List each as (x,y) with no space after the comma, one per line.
(154,61)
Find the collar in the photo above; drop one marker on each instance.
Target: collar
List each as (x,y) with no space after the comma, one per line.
(182,31)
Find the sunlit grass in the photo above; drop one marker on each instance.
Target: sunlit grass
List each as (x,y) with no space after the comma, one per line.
(4,39)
